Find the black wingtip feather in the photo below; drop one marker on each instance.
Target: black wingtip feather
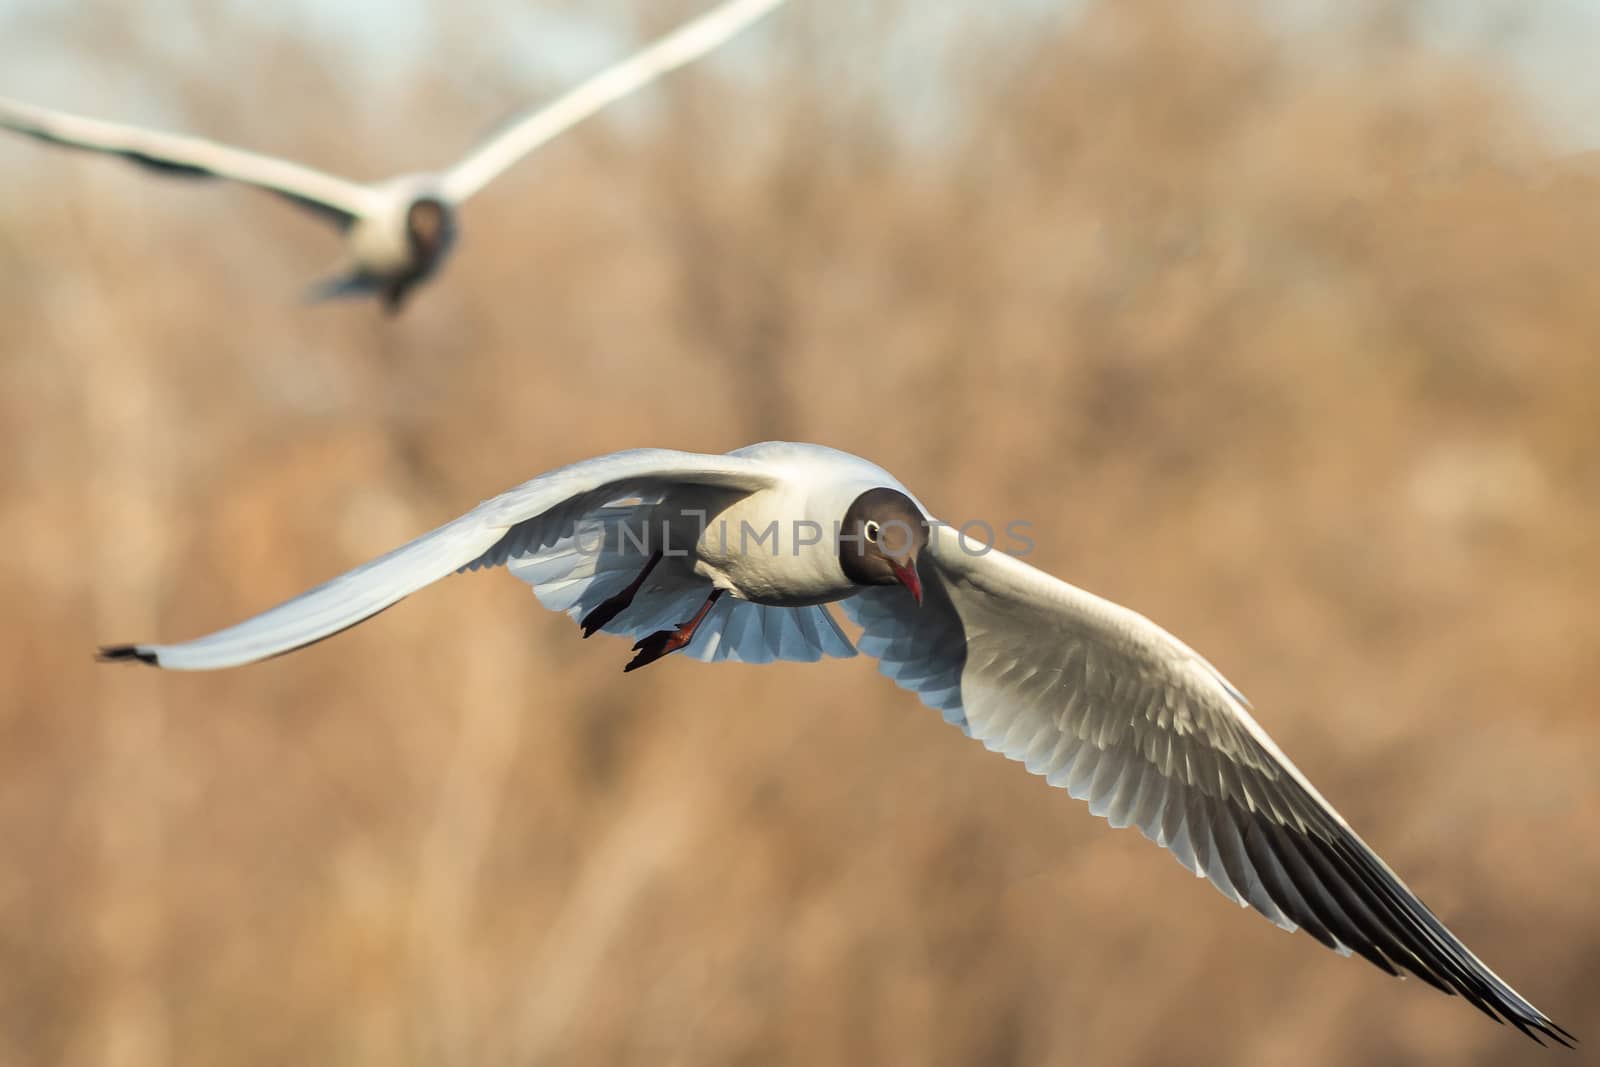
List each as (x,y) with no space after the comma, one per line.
(120,653)
(1338,892)
(1442,953)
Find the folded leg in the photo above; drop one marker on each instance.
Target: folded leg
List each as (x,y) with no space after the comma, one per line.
(662,642)
(615,604)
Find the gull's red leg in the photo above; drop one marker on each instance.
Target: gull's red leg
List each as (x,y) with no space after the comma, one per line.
(662,642)
(612,606)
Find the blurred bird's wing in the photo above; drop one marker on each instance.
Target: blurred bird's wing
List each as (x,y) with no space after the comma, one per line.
(1103,702)
(514,524)
(194,157)
(527,132)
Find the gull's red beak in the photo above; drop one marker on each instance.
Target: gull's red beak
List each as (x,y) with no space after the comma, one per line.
(906,575)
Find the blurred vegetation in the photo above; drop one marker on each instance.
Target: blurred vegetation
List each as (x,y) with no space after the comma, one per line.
(1289,345)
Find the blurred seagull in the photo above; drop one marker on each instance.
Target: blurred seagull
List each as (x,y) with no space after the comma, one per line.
(399,230)
(731,558)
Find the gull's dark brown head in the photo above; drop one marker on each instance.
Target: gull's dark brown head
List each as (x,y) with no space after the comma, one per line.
(429,228)
(880,538)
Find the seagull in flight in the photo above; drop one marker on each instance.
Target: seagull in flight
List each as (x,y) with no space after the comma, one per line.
(397,231)
(733,557)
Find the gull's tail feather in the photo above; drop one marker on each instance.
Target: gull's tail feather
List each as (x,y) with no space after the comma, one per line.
(350,286)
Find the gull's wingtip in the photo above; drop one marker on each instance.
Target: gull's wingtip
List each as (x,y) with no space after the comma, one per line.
(119,653)
(1560,1034)
(1539,1027)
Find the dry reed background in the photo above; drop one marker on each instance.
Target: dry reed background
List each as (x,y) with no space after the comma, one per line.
(1289,344)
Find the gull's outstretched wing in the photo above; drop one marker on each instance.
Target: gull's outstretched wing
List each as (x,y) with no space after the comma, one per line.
(527,132)
(1103,702)
(193,157)
(511,526)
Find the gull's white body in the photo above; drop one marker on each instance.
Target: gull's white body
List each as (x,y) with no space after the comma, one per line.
(1096,698)
(379,242)
(383,257)
(771,547)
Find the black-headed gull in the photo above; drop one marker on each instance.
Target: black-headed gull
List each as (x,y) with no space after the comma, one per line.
(398,231)
(731,557)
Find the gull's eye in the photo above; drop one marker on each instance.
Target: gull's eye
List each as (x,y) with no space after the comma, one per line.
(870,529)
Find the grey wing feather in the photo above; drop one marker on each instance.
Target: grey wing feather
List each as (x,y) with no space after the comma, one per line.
(534,513)
(1105,704)
(179,155)
(525,133)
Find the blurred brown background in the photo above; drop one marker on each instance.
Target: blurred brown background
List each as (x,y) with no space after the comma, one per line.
(1287,341)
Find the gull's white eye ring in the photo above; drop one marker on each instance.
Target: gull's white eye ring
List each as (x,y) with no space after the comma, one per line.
(870,529)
